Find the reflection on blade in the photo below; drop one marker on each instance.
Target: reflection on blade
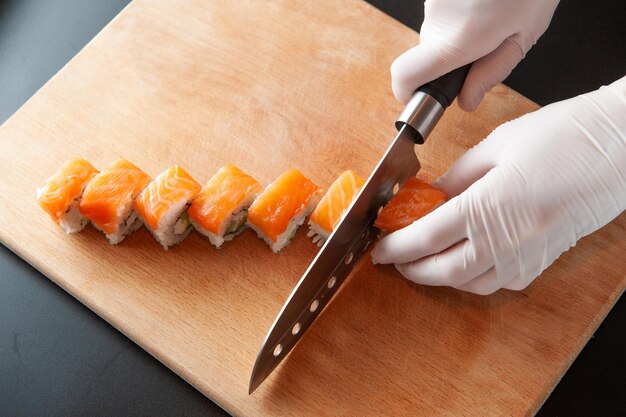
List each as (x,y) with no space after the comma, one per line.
(337,257)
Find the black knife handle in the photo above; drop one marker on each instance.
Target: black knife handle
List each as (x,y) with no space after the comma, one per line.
(445,88)
(427,105)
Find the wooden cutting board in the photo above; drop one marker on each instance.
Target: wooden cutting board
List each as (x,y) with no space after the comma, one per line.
(267,85)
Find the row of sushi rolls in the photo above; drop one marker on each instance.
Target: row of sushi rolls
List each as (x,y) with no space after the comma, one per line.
(122,198)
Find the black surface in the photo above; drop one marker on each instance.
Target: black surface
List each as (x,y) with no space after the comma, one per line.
(59,359)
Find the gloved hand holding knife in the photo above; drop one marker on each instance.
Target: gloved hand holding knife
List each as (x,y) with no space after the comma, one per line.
(519,199)
(534,186)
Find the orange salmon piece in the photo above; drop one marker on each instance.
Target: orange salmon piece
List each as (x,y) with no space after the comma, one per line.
(336,200)
(281,201)
(64,187)
(413,201)
(169,188)
(110,194)
(223,194)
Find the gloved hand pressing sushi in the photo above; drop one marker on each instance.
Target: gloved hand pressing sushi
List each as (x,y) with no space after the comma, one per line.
(521,197)
(493,34)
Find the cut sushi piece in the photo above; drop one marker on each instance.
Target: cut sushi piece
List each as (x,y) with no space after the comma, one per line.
(332,206)
(284,205)
(163,204)
(413,201)
(108,199)
(220,210)
(60,196)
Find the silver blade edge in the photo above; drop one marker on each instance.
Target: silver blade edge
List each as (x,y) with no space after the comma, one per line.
(338,255)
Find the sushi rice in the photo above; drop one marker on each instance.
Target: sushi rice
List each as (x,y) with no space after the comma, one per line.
(108,200)
(61,195)
(220,211)
(284,238)
(282,207)
(232,227)
(130,223)
(173,227)
(163,205)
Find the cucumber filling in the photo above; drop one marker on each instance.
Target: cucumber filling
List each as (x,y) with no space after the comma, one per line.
(237,222)
(182,224)
(131,219)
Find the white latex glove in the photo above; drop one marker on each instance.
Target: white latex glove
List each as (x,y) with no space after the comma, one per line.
(521,197)
(494,34)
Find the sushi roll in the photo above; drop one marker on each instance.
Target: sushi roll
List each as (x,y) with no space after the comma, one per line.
(60,196)
(220,211)
(108,200)
(413,201)
(283,206)
(332,206)
(163,204)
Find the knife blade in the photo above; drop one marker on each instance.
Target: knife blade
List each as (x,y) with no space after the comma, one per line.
(355,231)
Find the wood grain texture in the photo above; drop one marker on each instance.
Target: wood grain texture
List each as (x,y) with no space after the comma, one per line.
(265,86)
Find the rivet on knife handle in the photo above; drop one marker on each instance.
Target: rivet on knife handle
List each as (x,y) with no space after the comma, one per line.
(428,103)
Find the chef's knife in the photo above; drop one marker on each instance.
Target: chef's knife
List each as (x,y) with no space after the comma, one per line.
(355,231)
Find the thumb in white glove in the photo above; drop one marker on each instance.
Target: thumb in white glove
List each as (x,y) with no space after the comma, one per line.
(493,34)
(521,197)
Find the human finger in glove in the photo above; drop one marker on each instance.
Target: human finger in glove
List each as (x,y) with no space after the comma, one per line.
(521,197)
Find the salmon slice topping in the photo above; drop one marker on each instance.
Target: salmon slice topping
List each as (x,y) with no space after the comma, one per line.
(281,201)
(109,196)
(64,187)
(225,192)
(413,201)
(335,202)
(171,187)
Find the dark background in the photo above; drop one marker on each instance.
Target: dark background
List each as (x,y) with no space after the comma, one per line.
(57,358)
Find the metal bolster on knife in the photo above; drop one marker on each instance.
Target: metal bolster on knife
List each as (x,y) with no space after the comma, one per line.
(427,105)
